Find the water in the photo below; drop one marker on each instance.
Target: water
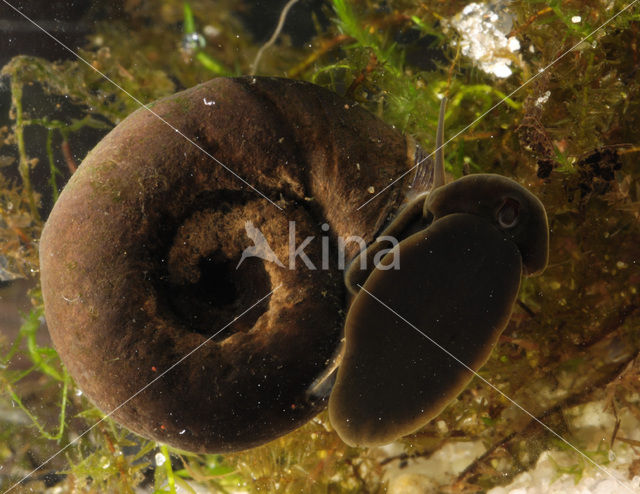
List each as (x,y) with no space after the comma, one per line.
(569,135)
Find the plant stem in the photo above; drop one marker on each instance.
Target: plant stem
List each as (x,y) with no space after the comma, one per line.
(53,171)
(171,481)
(23,166)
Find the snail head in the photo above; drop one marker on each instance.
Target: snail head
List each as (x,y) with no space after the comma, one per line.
(502,201)
(506,204)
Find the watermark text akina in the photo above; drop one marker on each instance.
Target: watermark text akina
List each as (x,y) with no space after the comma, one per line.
(263,250)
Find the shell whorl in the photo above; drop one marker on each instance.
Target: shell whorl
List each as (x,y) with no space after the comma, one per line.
(138,257)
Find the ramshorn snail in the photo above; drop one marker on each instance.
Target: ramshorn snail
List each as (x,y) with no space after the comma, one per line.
(139,258)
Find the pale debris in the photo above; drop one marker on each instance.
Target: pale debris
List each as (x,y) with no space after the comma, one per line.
(422,475)
(160,459)
(483,28)
(543,99)
(592,423)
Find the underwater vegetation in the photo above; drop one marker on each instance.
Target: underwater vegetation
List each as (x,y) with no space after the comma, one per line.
(569,135)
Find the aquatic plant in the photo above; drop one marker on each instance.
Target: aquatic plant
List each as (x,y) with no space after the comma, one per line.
(570,135)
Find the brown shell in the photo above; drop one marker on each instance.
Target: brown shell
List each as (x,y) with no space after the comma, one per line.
(138,257)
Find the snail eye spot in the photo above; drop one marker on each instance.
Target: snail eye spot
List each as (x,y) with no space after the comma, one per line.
(508,214)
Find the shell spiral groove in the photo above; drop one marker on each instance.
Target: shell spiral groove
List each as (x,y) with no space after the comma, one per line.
(139,256)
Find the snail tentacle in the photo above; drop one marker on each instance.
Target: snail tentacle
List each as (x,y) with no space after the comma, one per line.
(411,218)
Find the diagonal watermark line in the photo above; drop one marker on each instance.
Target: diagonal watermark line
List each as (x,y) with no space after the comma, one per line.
(525,83)
(273,203)
(146,107)
(160,376)
(536,419)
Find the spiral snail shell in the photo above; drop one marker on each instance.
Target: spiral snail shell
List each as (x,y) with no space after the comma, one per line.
(139,253)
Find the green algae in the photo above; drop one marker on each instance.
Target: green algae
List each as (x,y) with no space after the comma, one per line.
(578,152)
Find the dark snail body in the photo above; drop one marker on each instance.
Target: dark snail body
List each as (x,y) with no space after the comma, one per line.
(414,335)
(457,284)
(139,253)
